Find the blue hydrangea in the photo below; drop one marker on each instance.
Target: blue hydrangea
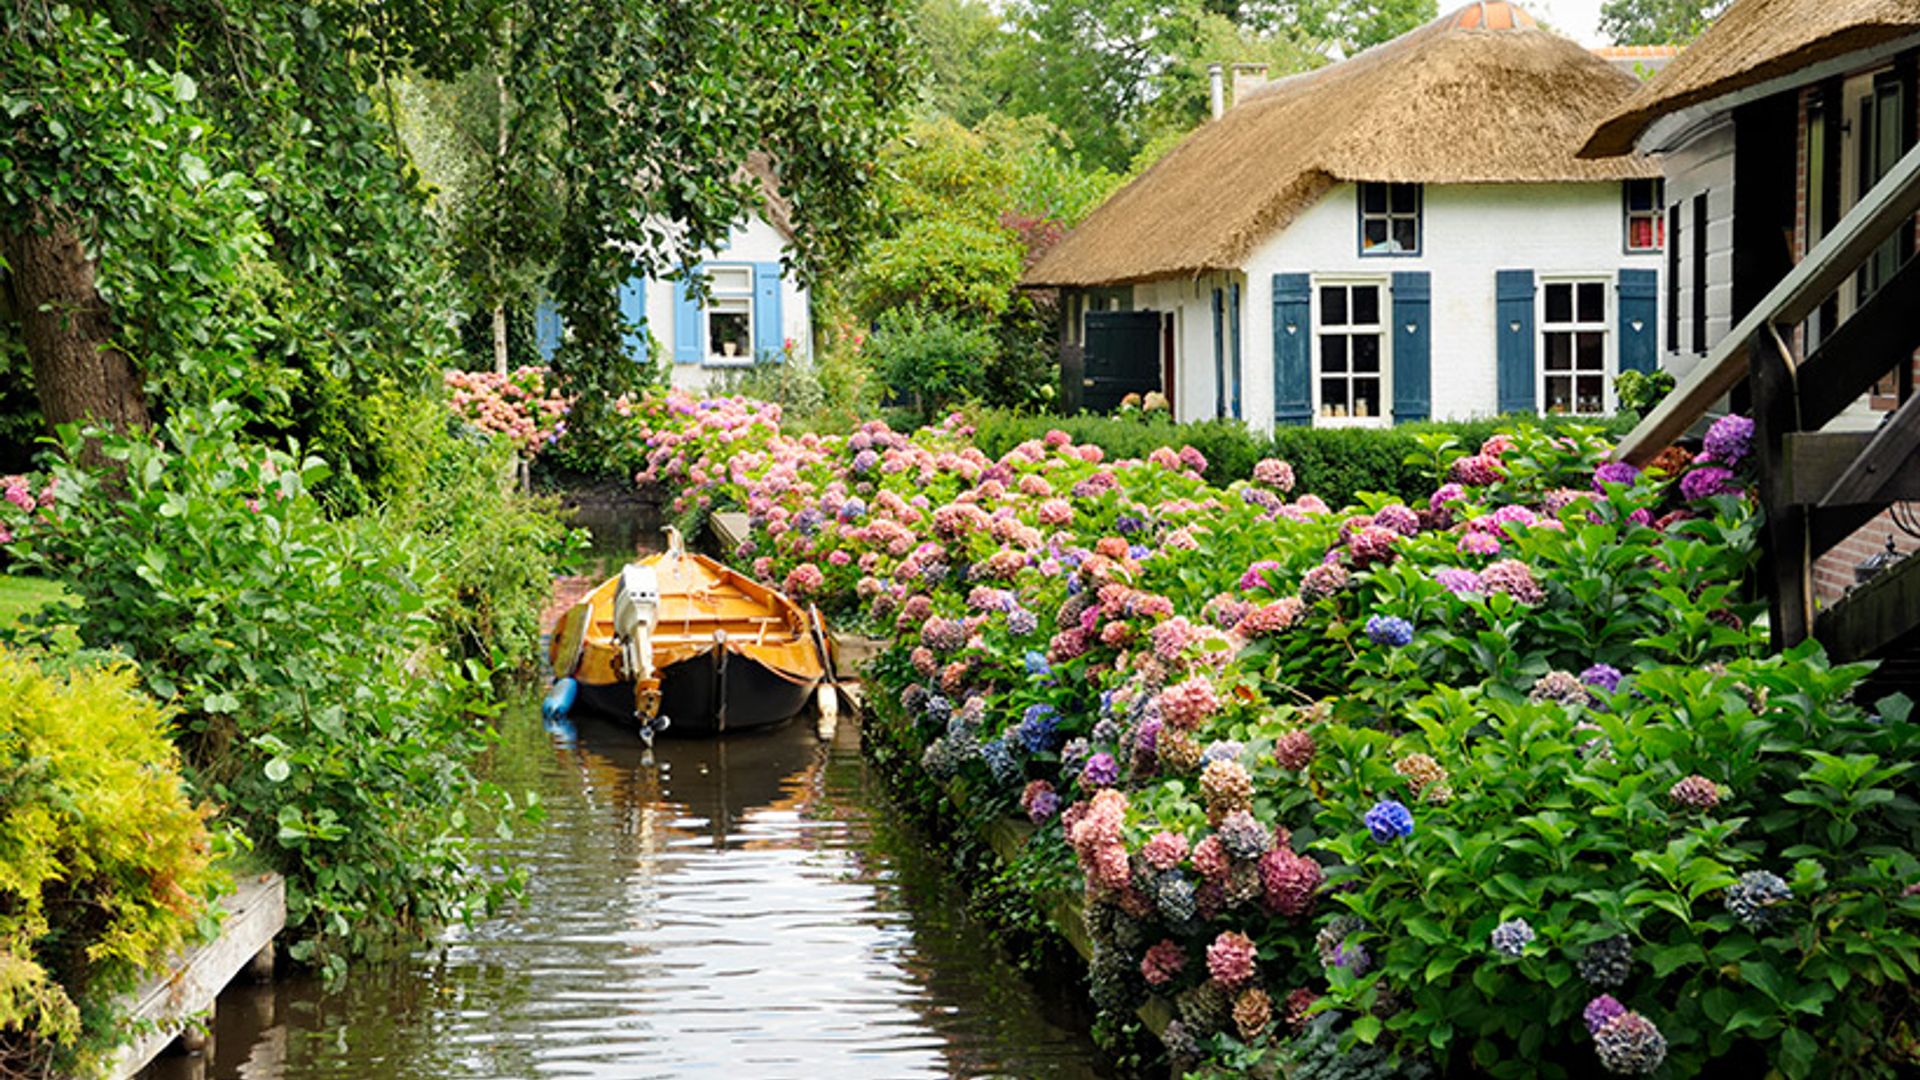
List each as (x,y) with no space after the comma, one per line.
(807,521)
(1223,750)
(1073,584)
(1036,663)
(939,708)
(1073,756)
(1128,524)
(1139,551)
(1389,630)
(1039,731)
(853,510)
(1173,895)
(1389,820)
(1000,762)
(1512,937)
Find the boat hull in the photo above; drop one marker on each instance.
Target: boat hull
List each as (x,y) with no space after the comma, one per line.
(702,701)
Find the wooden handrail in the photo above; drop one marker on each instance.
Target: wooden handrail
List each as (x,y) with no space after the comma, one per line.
(1892,202)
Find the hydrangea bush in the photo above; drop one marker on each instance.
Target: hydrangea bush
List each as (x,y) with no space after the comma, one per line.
(1432,778)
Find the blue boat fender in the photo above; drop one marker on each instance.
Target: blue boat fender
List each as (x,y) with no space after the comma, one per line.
(559,700)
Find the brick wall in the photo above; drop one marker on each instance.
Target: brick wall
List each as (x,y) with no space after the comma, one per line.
(1833,573)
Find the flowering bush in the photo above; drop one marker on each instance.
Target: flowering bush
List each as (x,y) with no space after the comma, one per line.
(517,405)
(1268,723)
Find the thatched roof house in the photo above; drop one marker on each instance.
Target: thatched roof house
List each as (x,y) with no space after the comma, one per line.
(1753,42)
(1424,153)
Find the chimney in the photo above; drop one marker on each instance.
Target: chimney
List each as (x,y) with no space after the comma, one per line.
(1246,79)
(1216,88)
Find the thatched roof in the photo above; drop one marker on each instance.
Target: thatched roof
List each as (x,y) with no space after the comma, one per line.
(1755,40)
(1481,95)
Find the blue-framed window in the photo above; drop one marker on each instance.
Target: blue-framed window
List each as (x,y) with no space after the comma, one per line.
(1390,219)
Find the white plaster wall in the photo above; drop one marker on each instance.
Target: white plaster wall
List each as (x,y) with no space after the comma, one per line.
(1468,232)
(1191,301)
(754,241)
(1701,161)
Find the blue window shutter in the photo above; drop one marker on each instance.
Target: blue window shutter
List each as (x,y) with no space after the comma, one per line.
(1233,327)
(1513,310)
(1219,354)
(1412,345)
(686,321)
(768,337)
(1639,317)
(1292,349)
(633,311)
(546,329)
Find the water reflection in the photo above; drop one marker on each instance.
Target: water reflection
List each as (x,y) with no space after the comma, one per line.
(745,907)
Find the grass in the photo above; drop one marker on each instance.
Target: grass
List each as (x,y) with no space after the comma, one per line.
(22,596)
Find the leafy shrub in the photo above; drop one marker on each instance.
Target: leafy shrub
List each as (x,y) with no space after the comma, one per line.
(304,655)
(1640,391)
(106,859)
(930,357)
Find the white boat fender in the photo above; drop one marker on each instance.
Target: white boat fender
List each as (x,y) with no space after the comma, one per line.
(559,700)
(829,702)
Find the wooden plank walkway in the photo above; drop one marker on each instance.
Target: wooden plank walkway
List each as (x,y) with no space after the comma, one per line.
(255,914)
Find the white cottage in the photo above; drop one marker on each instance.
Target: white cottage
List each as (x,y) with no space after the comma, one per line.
(1403,235)
(754,312)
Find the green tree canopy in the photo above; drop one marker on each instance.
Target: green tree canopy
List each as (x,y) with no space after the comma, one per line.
(1658,22)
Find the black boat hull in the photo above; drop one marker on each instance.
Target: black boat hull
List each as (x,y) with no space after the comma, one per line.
(700,700)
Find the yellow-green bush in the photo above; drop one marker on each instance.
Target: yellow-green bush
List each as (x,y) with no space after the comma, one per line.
(104,858)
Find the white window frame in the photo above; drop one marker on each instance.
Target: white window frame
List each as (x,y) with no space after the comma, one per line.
(1383,328)
(1417,215)
(1604,327)
(716,294)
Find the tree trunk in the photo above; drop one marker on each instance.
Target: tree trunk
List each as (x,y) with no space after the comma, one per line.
(77,372)
(500,338)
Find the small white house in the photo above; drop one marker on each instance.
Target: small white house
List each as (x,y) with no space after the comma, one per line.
(754,312)
(1406,234)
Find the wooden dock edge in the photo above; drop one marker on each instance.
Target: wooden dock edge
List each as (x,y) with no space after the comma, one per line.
(164,1006)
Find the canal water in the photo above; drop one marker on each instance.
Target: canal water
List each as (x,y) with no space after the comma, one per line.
(747,908)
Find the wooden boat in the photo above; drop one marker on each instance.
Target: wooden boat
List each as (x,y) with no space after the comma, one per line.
(680,639)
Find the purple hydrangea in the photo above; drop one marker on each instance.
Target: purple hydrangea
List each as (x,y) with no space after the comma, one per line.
(865,460)
(1630,1045)
(1458,581)
(1039,731)
(1706,482)
(1101,770)
(853,510)
(1614,472)
(1729,439)
(1605,677)
(1021,622)
(1255,576)
(1389,630)
(1388,820)
(1600,1010)
(1445,494)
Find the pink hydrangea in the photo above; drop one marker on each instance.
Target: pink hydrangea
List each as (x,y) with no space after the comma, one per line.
(1445,494)
(1055,512)
(1274,473)
(1210,858)
(1270,618)
(1166,851)
(1476,542)
(1232,959)
(1475,470)
(1372,544)
(1172,638)
(803,580)
(1515,578)
(1163,963)
(1397,518)
(1186,705)
(1289,882)
(1294,750)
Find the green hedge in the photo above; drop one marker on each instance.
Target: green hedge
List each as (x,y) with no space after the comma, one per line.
(1334,463)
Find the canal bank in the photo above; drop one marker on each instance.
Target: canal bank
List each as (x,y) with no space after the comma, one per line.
(754,906)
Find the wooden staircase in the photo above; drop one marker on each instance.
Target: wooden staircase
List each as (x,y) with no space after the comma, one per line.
(1819,487)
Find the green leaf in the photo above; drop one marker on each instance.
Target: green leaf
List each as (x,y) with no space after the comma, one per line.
(278,769)
(1367,1029)
(1797,1050)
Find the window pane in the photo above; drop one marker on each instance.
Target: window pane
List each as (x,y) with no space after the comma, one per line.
(1333,305)
(1591,395)
(1366,305)
(1375,235)
(1405,198)
(1366,397)
(1373,198)
(1406,234)
(737,279)
(1640,234)
(1559,351)
(1366,352)
(1593,302)
(727,334)
(1333,397)
(1640,194)
(1591,351)
(1333,353)
(1559,303)
(1559,393)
